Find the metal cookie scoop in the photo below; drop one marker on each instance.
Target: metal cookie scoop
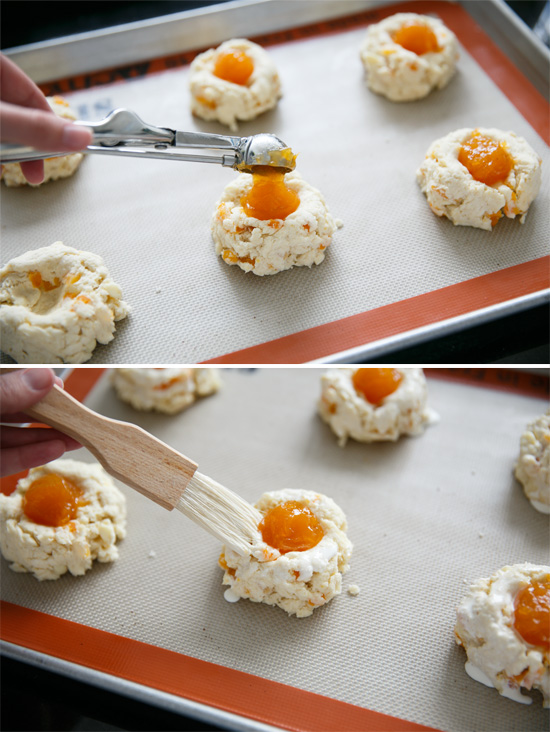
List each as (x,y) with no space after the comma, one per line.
(123,133)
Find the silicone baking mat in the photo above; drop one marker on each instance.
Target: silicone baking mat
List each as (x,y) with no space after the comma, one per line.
(394,266)
(427,515)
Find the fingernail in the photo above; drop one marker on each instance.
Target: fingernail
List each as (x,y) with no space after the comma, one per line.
(37,379)
(76,137)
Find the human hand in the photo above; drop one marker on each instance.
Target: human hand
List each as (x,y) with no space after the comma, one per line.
(22,448)
(26,119)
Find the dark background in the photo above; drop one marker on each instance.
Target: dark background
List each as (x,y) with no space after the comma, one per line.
(37,699)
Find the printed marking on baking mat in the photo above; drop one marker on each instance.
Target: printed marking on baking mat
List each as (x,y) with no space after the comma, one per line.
(514,85)
(398,317)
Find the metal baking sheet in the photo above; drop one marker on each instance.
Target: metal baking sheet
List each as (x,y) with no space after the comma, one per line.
(427,516)
(395,274)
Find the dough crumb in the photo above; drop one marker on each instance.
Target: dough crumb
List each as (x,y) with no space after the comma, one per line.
(57,304)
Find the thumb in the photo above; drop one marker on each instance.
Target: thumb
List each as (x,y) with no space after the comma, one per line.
(21,389)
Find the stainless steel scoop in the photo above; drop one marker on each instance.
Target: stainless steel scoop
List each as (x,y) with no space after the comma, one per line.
(123,133)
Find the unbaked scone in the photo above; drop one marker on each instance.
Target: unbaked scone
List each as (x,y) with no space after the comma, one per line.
(54,168)
(407,55)
(476,176)
(166,390)
(373,404)
(306,569)
(60,518)
(236,81)
(56,304)
(533,466)
(503,623)
(268,245)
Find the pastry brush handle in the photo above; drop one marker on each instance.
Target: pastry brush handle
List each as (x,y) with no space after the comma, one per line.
(126,451)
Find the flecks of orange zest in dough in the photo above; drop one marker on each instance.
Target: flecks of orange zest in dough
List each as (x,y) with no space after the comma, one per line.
(235,66)
(291,526)
(376,384)
(487,160)
(416,38)
(231,258)
(40,284)
(75,296)
(269,197)
(532,613)
(222,562)
(207,102)
(60,100)
(168,384)
(52,500)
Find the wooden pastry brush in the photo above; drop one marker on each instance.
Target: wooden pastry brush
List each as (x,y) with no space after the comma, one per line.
(141,461)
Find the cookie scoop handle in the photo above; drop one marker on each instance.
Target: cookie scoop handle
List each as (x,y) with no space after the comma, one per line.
(126,451)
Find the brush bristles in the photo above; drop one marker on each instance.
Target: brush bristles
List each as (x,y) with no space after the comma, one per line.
(221,512)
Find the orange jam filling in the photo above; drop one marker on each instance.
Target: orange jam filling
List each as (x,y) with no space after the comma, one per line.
(416,38)
(234,66)
(269,197)
(52,500)
(376,384)
(532,613)
(291,527)
(486,160)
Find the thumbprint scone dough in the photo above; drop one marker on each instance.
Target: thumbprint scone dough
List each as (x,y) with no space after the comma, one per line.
(54,168)
(533,465)
(474,177)
(56,304)
(166,390)
(503,623)
(236,81)
(60,518)
(373,404)
(300,555)
(407,55)
(265,225)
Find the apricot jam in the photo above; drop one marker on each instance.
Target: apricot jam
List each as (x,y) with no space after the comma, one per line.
(291,527)
(486,160)
(376,384)
(52,500)
(234,66)
(416,38)
(532,613)
(269,197)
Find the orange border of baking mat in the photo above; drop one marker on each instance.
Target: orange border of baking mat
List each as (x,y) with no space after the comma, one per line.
(204,682)
(426,309)
(398,317)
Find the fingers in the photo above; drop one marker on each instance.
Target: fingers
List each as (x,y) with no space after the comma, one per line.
(42,130)
(17,88)
(20,436)
(21,389)
(33,170)
(15,459)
